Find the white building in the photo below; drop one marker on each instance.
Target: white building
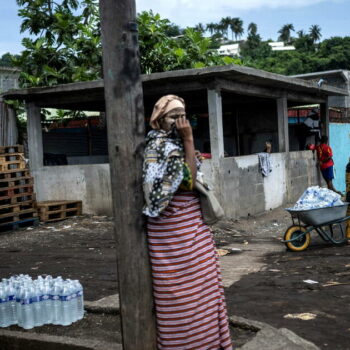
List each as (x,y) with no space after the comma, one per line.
(279,46)
(229,50)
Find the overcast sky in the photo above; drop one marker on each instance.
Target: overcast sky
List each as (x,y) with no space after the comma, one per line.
(331,15)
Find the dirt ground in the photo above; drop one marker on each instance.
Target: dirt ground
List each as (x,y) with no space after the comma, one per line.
(83,248)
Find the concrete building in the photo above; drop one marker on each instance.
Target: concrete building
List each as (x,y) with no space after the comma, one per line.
(339,127)
(8,128)
(233,109)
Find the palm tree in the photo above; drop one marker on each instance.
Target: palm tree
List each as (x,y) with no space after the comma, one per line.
(211,27)
(301,34)
(199,28)
(252,29)
(315,33)
(236,26)
(225,24)
(285,32)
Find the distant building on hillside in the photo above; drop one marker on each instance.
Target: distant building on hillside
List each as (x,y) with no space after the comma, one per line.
(234,49)
(229,50)
(8,78)
(279,46)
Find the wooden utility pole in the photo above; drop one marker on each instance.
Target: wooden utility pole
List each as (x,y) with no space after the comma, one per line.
(126,132)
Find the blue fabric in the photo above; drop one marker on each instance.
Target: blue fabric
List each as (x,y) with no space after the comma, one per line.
(328,173)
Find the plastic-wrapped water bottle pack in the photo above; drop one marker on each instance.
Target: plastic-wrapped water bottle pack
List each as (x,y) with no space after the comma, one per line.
(316,197)
(30,303)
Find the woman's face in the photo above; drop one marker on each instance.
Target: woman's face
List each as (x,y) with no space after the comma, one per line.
(168,121)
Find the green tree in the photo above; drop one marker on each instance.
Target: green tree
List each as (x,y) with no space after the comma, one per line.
(236,26)
(6,60)
(285,33)
(211,28)
(64,43)
(315,33)
(252,28)
(224,25)
(254,49)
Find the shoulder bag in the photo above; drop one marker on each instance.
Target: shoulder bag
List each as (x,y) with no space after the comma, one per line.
(211,208)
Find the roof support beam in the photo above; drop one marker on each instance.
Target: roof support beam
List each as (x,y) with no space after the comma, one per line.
(215,124)
(35,137)
(282,121)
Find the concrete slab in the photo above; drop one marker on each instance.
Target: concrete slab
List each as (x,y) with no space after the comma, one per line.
(270,338)
(107,305)
(12,340)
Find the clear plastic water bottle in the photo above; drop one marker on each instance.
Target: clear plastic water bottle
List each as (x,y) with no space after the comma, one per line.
(56,303)
(27,308)
(19,296)
(46,300)
(80,300)
(65,298)
(73,301)
(4,317)
(11,294)
(38,320)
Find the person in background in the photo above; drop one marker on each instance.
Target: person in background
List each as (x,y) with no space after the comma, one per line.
(326,163)
(312,122)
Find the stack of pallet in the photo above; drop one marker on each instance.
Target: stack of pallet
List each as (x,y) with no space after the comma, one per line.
(17,198)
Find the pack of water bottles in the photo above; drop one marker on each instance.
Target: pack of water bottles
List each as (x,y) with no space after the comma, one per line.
(31,303)
(317,197)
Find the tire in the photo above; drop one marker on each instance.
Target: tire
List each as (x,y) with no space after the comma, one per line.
(300,244)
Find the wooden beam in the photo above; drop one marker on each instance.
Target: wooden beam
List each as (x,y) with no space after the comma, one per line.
(126,132)
(282,121)
(215,124)
(35,136)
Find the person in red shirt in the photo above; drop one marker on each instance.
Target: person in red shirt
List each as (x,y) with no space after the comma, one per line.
(324,156)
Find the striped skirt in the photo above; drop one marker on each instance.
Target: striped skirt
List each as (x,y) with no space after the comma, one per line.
(188,292)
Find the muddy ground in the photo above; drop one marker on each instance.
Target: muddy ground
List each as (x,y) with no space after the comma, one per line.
(83,248)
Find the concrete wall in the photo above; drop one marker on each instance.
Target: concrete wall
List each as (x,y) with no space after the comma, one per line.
(244,191)
(89,183)
(340,143)
(238,182)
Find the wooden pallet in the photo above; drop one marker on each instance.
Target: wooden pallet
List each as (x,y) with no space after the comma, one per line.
(17,207)
(58,210)
(17,198)
(13,183)
(8,157)
(11,149)
(14,174)
(13,165)
(8,192)
(11,218)
(19,224)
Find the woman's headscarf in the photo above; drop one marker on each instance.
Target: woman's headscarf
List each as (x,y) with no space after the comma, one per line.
(164,105)
(164,168)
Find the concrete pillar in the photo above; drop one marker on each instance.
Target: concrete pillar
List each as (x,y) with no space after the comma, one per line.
(215,124)
(324,116)
(35,137)
(282,121)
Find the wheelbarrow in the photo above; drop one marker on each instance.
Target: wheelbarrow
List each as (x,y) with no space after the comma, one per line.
(322,220)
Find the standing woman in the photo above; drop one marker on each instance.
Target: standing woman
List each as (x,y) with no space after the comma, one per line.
(188,292)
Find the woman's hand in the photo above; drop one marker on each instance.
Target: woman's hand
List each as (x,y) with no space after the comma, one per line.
(184,128)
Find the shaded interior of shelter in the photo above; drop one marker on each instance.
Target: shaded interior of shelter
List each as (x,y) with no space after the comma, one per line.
(248,122)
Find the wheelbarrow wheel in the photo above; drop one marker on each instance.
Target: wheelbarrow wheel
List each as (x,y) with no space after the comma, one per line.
(299,244)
